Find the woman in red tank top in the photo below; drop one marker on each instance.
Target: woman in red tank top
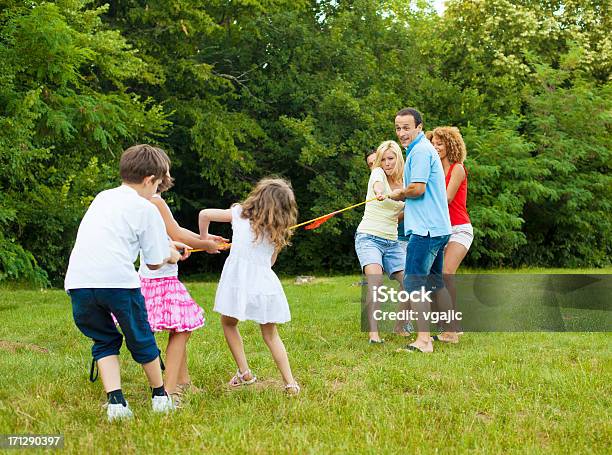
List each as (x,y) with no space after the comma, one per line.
(448,142)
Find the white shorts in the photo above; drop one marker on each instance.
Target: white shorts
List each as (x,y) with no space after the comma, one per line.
(463,234)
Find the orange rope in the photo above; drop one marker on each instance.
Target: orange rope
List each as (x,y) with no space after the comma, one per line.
(225,246)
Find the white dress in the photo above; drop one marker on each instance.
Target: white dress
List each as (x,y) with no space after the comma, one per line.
(249,289)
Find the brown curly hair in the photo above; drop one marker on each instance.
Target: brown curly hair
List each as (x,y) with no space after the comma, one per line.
(272,209)
(455,147)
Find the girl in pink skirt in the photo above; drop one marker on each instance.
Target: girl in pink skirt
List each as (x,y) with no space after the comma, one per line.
(169,305)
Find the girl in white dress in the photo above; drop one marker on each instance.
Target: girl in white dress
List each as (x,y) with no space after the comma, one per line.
(249,289)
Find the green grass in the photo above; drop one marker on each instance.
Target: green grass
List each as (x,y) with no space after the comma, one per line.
(492,393)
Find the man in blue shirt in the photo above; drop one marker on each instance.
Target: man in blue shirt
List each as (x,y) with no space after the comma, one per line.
(426,219)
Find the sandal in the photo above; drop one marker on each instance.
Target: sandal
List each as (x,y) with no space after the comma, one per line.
(238,379)
(292,389)
(444,340)
(412,348)
(371,341)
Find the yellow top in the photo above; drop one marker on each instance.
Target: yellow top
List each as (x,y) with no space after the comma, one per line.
(380,217)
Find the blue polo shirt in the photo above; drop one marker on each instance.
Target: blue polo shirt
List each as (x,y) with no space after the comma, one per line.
(428,213)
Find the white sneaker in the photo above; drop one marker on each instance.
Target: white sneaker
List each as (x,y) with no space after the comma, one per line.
(118,411)
(162,404)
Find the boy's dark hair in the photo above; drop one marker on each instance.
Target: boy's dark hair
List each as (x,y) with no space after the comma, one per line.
(416,115)
(143,160)
(368,153)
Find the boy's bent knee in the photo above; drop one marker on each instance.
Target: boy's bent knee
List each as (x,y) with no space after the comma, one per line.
(107,347)
(145,353)
(132,316)
(141,343)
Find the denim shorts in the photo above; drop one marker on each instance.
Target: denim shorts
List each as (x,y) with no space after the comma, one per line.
(92,308)
(372,249)
(424,262)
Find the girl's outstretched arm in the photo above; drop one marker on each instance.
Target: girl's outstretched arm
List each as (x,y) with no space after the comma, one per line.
(208,215)
(177,233)
(192,235)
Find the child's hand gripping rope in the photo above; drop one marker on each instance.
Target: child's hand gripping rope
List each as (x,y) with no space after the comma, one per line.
(221,244)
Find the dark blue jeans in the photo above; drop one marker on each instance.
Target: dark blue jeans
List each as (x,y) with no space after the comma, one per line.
(424,262)
(92,308)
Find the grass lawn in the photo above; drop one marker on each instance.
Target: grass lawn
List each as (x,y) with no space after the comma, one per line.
(492,393)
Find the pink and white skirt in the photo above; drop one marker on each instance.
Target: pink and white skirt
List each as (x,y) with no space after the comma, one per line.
(169,305)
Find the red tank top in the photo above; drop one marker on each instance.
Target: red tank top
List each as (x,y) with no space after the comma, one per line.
(457,208)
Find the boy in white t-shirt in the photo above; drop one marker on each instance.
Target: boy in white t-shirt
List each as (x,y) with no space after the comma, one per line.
(101,279)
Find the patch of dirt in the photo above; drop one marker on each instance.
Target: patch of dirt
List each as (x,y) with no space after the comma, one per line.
(12,346)
(484,417)
(543,438)
(337,384)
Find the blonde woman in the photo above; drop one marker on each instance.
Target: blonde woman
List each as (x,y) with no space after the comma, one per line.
(376,241)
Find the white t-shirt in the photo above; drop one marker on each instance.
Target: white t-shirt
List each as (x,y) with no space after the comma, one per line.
(117,226)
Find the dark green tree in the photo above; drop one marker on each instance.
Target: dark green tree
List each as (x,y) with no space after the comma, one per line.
(66,114)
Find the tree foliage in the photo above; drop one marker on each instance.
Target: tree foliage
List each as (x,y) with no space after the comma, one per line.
(65,115)
(239,89)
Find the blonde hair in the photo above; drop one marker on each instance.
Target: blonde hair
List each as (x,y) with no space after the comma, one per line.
(271,209)
(398,170)
(455,147)
(429,135)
